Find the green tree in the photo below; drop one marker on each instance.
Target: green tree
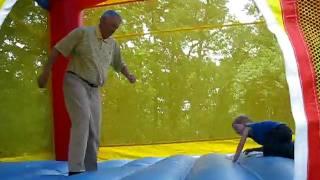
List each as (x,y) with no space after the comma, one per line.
(26,125)
(192,80)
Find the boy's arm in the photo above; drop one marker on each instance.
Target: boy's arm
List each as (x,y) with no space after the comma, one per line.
(241,144)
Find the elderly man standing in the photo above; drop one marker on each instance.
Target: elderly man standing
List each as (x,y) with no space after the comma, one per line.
(92,50)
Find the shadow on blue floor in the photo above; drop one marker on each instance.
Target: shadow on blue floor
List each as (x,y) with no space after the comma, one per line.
(207,167)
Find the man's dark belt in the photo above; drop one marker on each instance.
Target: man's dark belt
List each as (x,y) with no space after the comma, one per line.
(84,80)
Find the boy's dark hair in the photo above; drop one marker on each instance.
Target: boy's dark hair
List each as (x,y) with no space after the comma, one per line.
(242,119)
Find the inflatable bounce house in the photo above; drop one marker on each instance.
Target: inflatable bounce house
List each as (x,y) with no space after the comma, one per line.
(199,64)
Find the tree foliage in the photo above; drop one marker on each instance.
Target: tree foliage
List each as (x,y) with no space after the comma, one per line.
(191,83)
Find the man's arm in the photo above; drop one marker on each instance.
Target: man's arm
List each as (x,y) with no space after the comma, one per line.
(63,47)
(119,65)
(44,76)
(241,144)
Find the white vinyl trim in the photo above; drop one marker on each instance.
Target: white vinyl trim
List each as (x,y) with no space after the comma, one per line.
(295,90)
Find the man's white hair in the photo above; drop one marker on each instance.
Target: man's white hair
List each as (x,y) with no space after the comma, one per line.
(111,13)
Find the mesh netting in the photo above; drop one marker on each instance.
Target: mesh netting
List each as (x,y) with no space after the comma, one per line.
(198,66)
(310,23)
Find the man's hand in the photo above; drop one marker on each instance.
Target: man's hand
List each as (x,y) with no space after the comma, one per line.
(131,78)
(43,79)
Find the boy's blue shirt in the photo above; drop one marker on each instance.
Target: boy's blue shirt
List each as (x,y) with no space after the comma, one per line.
(260,130)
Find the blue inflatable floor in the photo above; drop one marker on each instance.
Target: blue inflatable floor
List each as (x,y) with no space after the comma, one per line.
(180,167)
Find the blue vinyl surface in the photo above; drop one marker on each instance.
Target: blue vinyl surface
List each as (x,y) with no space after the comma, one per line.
(179,167)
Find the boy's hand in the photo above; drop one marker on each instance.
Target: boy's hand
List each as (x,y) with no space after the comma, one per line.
(247,151)
(230,156)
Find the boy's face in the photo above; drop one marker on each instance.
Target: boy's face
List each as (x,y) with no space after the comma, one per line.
(239,128)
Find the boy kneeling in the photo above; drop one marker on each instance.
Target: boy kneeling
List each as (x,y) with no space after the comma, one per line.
(275,137)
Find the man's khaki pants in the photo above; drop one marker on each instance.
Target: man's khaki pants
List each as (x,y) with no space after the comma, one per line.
(84,107)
